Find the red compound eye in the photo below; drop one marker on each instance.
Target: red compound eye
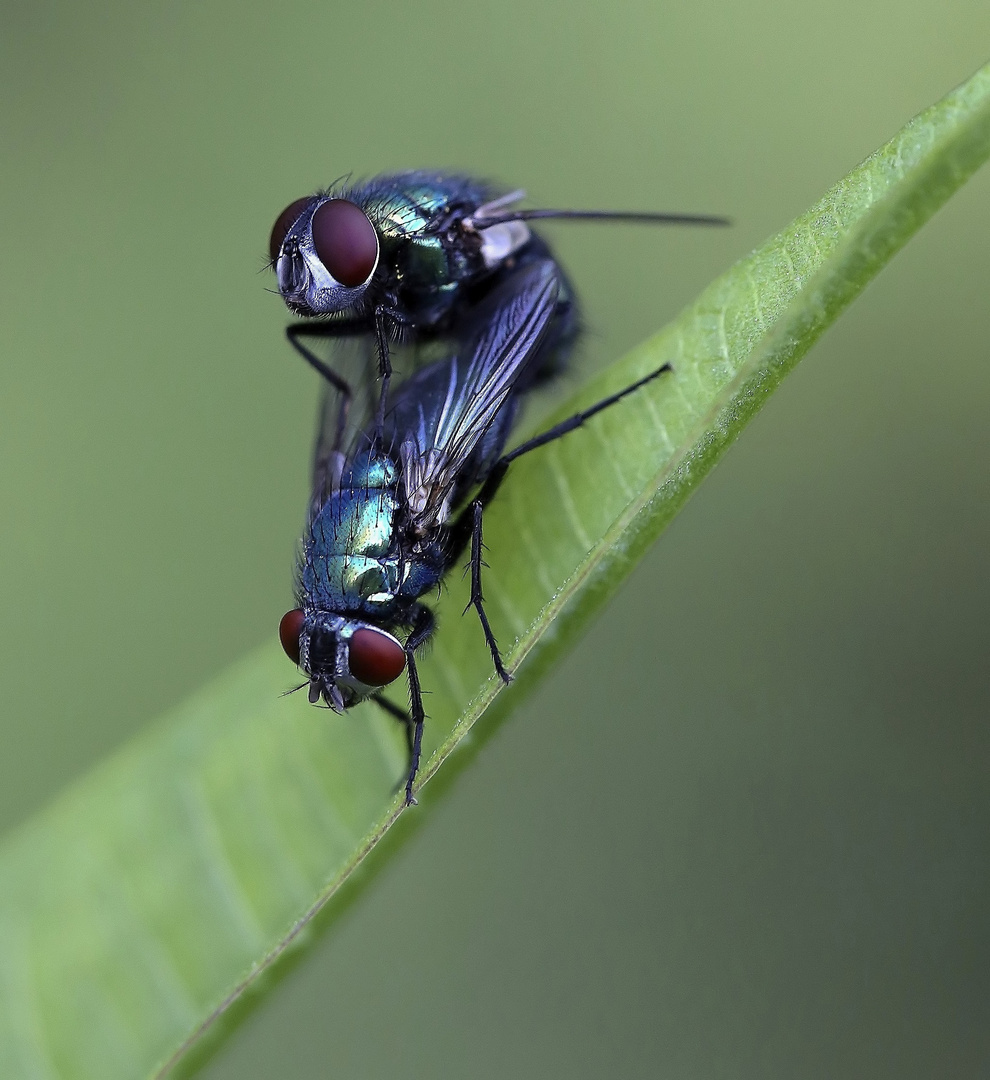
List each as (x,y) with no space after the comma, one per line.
(375,658)
(289,630)
(283,223)
(345,241)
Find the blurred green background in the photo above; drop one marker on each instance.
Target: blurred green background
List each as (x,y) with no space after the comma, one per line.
(742,830)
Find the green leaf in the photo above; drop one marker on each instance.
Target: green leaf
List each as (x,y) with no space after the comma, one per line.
(140,905)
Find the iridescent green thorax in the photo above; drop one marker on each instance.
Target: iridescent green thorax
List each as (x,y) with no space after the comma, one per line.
(409,211)
(404,213)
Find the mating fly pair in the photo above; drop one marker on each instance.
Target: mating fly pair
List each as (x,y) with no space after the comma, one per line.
(438,267)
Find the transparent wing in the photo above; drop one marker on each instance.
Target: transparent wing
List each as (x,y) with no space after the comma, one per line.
(344,408)
(451,417)
(346,417)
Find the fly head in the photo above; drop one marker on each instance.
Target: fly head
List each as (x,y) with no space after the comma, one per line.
(346,659)
(324,251)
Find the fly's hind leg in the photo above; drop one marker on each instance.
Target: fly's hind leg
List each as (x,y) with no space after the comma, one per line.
(468,524)
(397,713)
(572,422)
(477,600)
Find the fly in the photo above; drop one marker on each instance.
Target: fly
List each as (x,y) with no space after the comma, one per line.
(406,255)
(398,500)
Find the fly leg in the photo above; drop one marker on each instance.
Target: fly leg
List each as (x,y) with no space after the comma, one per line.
(477,600)
(384,369)
(561,429)
(398,713)
(384,316)
(340,384)
(468,523)
(342,328)
(386,322)
(423,626)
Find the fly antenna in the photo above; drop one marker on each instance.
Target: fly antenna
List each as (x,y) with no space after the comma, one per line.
(641,217)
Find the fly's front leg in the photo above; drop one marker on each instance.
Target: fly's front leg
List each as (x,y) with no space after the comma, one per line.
(338,329)
(423,627)
(384,316)
(338,382)
(384,368)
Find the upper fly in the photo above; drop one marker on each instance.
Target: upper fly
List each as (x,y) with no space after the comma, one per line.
(406,256)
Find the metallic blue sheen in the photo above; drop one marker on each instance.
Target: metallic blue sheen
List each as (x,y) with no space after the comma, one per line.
(372,470)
